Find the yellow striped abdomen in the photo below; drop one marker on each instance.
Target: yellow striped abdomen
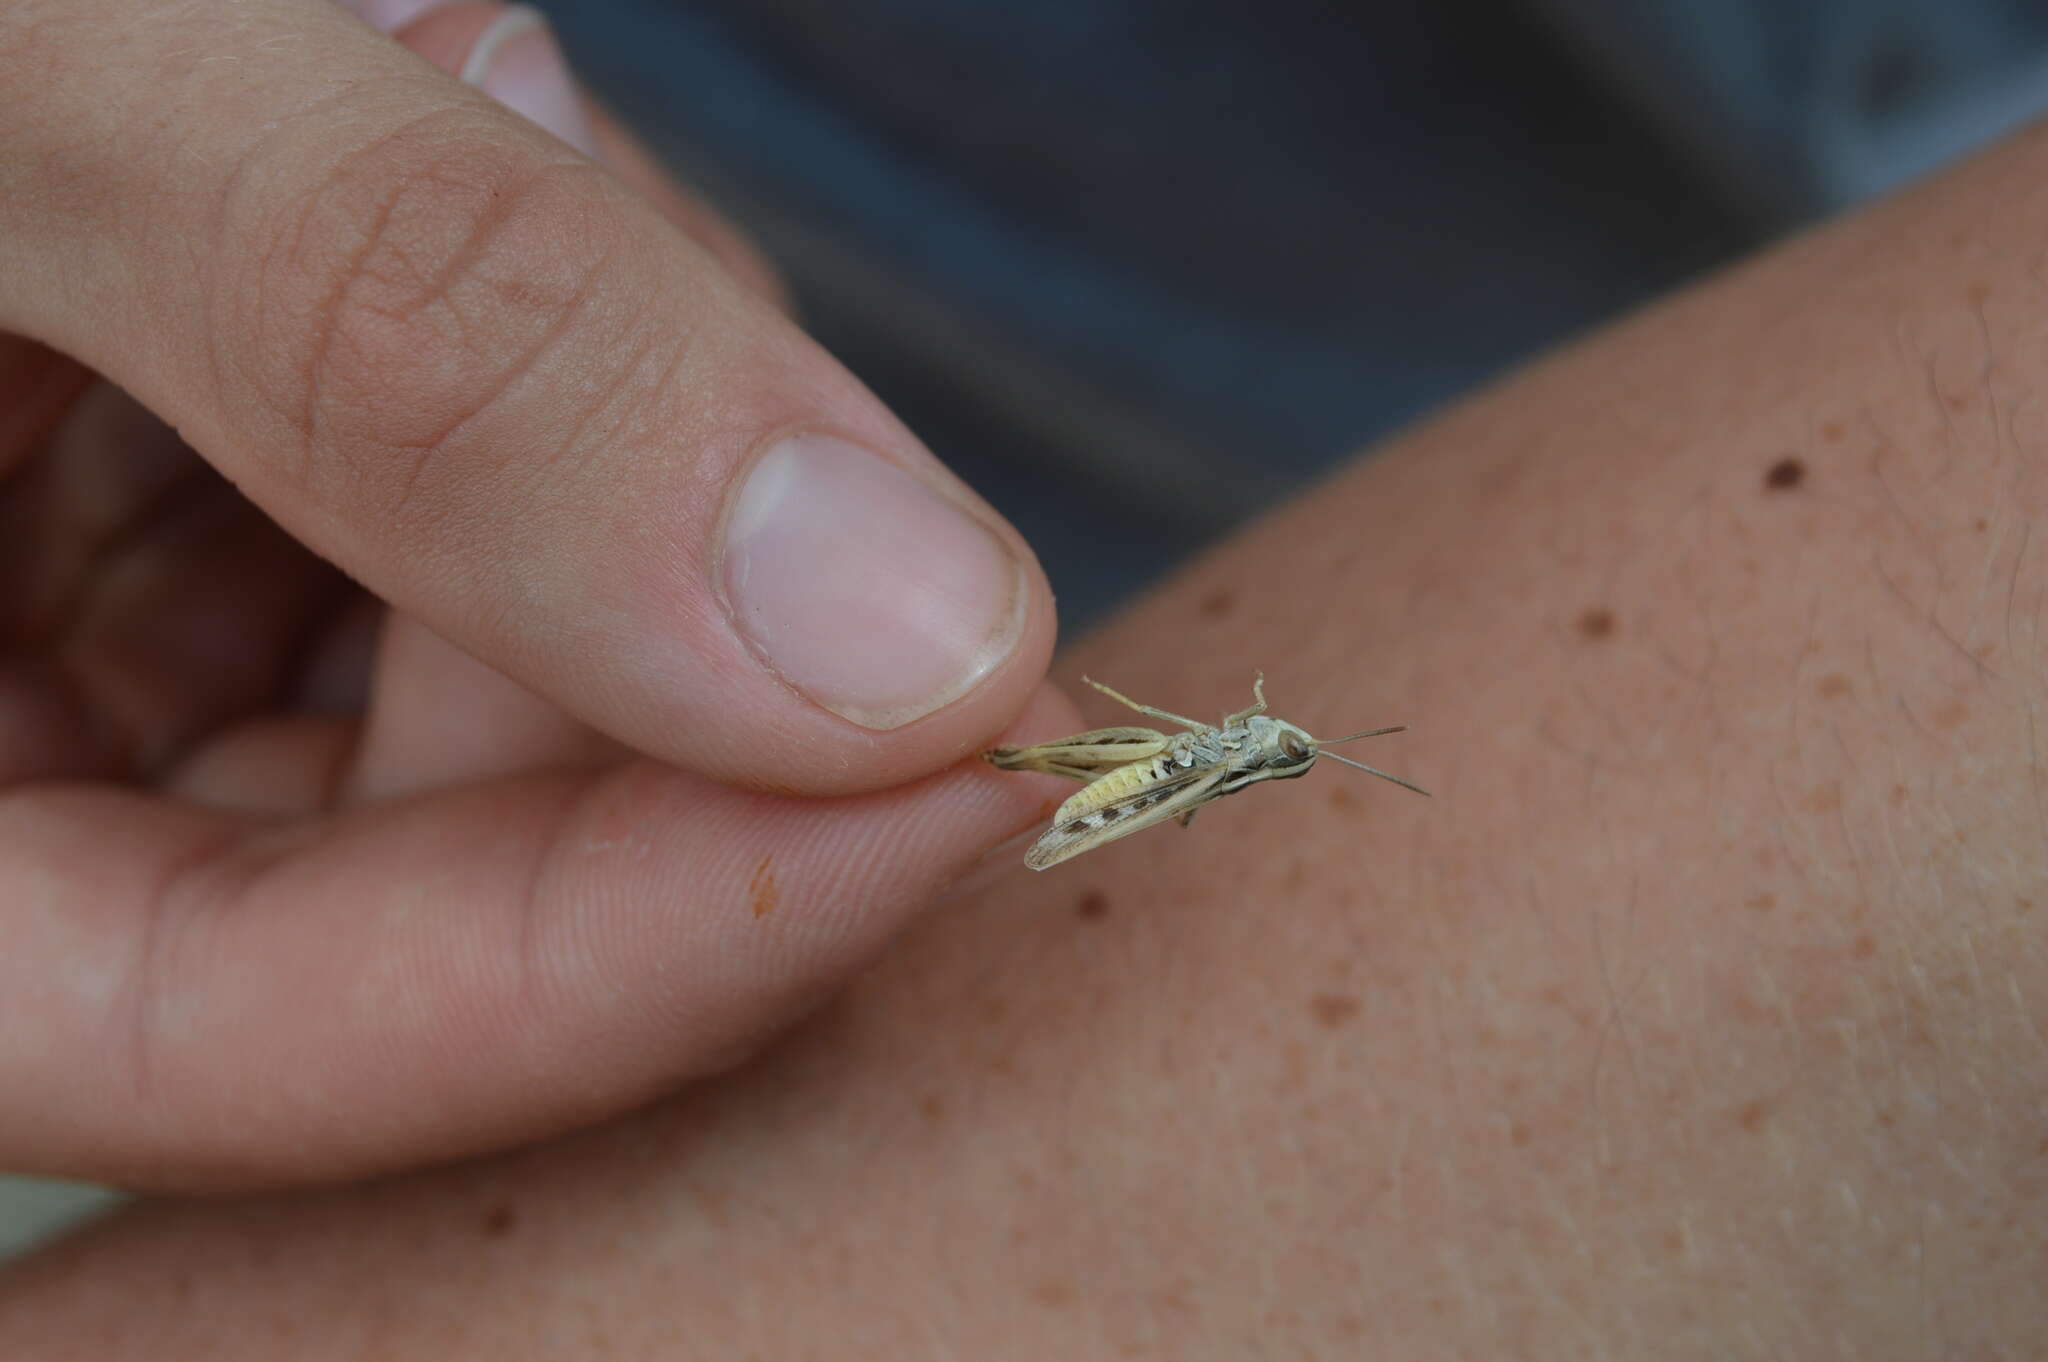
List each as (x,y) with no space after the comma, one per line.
(1117,784)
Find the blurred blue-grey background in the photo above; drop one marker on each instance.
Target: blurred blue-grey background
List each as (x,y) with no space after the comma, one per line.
(1139,267)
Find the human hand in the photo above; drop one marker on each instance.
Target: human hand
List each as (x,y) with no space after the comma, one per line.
(274,910)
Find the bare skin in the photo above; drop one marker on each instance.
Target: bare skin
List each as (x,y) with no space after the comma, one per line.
(1700,1016)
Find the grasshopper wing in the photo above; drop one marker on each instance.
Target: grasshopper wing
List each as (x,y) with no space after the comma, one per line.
(1149,803)
(1083,756)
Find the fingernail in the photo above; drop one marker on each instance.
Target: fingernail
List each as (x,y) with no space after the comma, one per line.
(866,590)
(516,62)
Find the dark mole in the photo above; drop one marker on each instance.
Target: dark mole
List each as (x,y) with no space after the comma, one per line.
(1332,1009)
(1784,475)
(1218,603)
(1094,906)
(500,1221)
(1597,623)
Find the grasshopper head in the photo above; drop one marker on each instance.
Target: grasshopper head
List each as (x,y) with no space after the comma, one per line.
(1290,741)
(1280,750)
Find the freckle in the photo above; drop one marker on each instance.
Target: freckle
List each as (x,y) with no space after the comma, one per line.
(1862,948)
(1766,857)
(1824,798)
(1093,907)
(1762,903)
(1887,1117)
(1784,475)
(1342,798)
(1552,994)
(1950,714)
(1519,1135)
(1977,293)
(1053,1294)
(1834,686)
(1597,623)
(502,1219)
(1831,432)
(1747,1008)
(1332,1009)
(1988,649)
(1898,796)
(932,1107)
(761,890)
(1350,1326)
(1218,603)
(1980,524)
(1752,1116)
(1957,401)
(2022,904)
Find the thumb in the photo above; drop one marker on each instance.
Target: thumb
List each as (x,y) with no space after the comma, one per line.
(453,355)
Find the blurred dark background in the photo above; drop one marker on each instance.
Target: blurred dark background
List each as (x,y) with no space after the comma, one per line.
(1139,267)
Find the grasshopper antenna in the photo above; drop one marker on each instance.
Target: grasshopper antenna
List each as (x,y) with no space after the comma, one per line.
(1369,733)
(1376,771)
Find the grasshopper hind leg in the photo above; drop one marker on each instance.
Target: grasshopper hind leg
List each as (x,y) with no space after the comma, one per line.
(1146,710)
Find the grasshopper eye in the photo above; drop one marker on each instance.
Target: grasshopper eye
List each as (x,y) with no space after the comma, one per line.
(1294,749)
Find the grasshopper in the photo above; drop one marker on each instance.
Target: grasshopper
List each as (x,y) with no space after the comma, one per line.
(1137,777)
